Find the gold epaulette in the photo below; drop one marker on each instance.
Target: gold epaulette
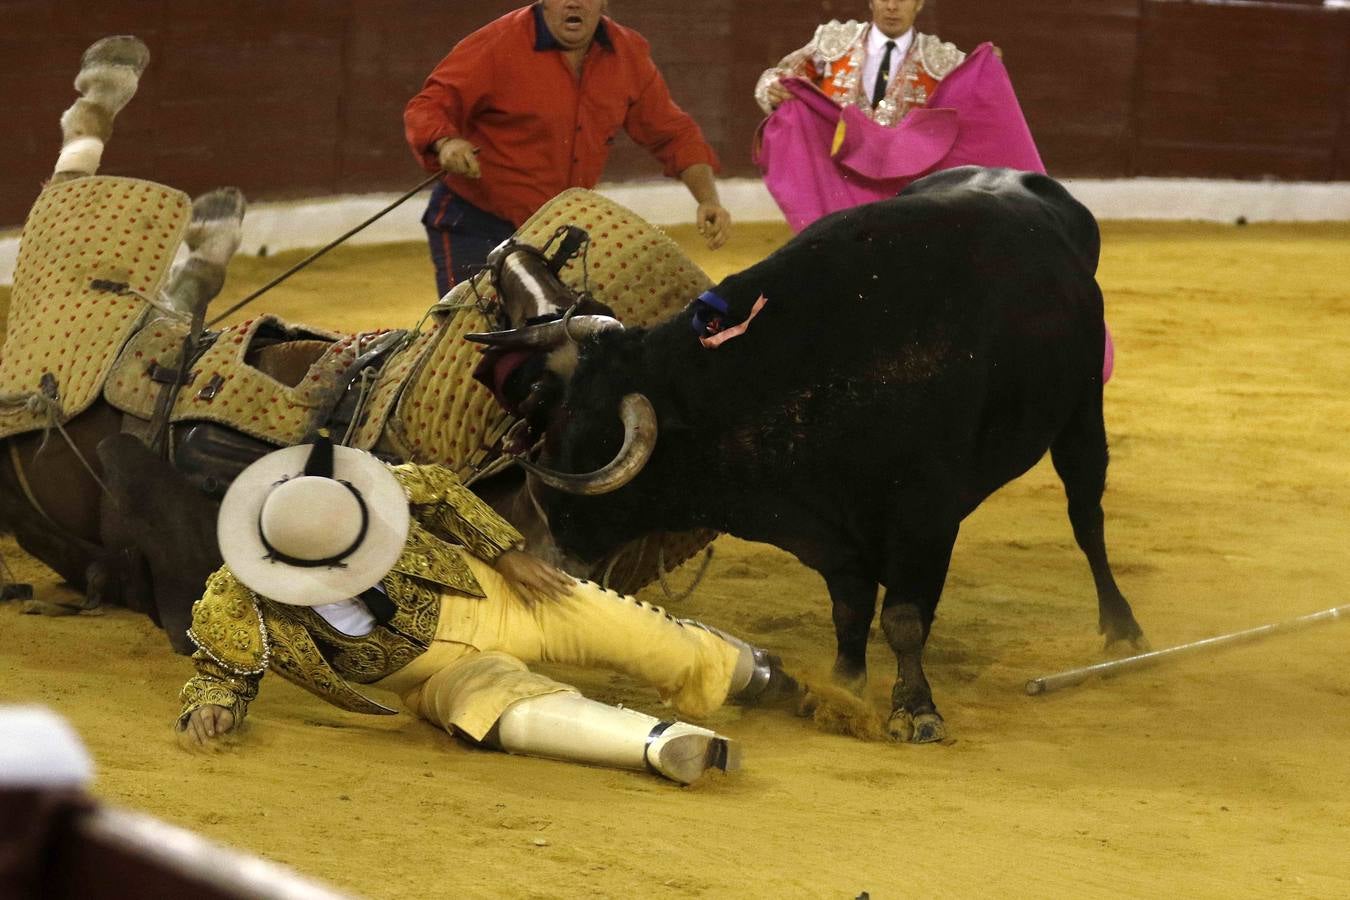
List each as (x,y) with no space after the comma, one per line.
(937,56)
(424,484)
(451,511)
(834,39)
(429,558)
(228,626)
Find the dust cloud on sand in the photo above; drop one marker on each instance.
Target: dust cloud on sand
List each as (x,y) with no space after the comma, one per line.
(1221,776)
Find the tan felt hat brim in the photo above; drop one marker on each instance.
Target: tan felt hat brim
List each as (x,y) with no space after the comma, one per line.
(241,542)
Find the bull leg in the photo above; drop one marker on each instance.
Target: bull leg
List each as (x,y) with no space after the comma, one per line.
(854,604)
(1080,457)
(917,572)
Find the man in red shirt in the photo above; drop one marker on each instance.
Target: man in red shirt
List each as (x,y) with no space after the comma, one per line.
(528,106)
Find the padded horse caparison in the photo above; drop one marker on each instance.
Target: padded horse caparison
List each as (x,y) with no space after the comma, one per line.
(211,454)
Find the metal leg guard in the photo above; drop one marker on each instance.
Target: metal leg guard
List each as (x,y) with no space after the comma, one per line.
(759,675)
(571,727)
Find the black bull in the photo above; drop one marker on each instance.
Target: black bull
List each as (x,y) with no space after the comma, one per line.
(913,356)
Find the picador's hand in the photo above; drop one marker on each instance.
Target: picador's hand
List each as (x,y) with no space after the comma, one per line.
(532,578)
(205,728)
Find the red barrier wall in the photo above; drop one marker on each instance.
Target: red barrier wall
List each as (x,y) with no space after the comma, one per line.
(304,97)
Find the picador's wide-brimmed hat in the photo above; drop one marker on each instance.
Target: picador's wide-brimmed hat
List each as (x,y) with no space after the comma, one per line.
(313,524)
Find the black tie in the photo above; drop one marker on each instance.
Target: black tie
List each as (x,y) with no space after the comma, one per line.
(883,75)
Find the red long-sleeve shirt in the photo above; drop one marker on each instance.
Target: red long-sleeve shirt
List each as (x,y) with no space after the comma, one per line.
(540,129)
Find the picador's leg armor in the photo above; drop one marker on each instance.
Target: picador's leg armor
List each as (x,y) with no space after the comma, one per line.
(571,727)
(759,679)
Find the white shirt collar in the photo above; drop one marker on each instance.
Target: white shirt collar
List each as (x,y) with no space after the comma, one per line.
(876,45)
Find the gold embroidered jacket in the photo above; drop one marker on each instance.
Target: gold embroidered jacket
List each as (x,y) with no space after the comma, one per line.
(240,634)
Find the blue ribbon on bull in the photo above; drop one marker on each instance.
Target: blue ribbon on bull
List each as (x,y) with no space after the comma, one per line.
(709,311)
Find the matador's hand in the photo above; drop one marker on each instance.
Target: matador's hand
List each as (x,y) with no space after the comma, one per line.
(777,94)
(532,578)
(205,728)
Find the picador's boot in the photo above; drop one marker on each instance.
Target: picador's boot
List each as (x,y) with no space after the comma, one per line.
(759,679)
(571,727)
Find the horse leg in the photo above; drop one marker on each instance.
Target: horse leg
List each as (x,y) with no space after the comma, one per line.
(71,557)
(213,235)
(55,506)
(110,72)
(170,522)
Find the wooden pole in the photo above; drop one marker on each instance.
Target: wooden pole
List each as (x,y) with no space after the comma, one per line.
(1047,683)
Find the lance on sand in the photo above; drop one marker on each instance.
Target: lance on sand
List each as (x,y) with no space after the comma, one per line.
(1047,683)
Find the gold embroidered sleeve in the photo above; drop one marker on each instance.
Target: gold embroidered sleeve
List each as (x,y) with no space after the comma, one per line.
(214,685)
(448,509)
(227,625)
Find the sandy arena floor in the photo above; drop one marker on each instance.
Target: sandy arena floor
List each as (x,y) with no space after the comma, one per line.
(1223,776)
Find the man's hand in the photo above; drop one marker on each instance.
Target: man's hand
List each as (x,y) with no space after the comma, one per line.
(532,578)
(714,223)
(205,728)
(458,157)
(777,94)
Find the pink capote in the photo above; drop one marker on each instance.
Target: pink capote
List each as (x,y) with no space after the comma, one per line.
(973,118)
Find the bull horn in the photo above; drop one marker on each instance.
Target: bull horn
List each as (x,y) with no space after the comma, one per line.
(547,334)
(639,440)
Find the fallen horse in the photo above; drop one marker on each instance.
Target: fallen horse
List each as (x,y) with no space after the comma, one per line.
(106,336)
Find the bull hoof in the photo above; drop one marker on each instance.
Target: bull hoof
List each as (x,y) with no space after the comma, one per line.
(925,728)
(854,684)
(929,728)
(1117,647)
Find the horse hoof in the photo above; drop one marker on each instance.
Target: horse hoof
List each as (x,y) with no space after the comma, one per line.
(47,608)
(929,728)
(119,50)
(16,591)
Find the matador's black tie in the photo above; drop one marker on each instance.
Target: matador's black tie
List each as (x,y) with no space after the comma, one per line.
(883,74)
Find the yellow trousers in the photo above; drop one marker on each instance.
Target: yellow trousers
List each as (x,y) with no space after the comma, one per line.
(477,665)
